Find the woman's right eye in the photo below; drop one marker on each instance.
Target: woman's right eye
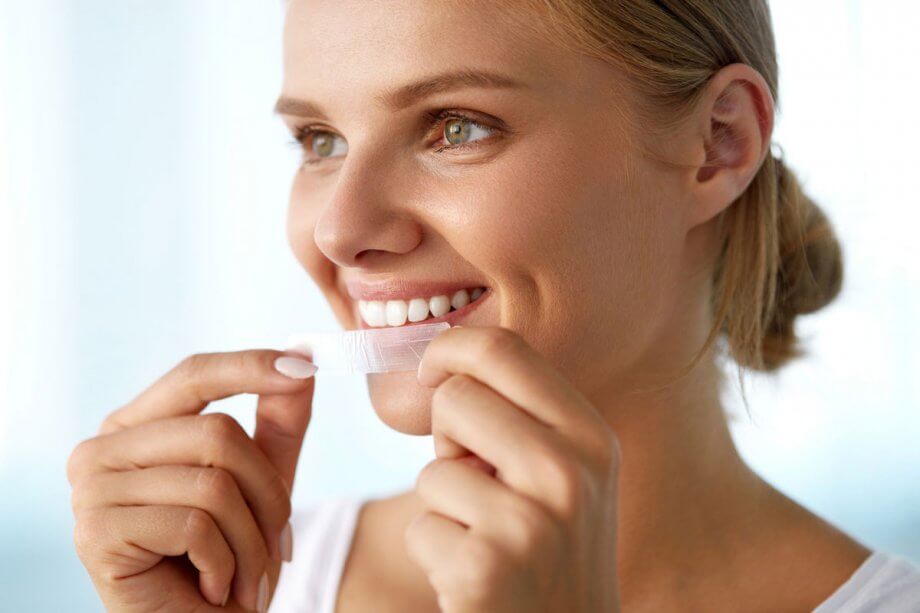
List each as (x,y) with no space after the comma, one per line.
(320,143)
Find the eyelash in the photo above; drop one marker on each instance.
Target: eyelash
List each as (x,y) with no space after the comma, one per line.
(434,118)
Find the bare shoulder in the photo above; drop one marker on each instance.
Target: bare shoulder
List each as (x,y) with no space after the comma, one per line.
(812,558)
(378,574)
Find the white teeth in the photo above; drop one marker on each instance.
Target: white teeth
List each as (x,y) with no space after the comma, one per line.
(460,299)
(379,313)
(396,312)
(418,309)
(439,305)
(375,313)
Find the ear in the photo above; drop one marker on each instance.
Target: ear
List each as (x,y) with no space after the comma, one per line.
(735,116)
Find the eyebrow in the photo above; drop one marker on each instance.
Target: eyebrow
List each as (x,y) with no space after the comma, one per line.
(407,95)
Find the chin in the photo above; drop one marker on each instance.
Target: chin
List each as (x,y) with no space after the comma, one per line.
(401,402)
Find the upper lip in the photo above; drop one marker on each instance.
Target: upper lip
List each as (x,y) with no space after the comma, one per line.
(404,289)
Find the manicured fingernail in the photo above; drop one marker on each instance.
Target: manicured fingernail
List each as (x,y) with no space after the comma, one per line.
(294,368)
(287,544)
(262,599)
(223,602)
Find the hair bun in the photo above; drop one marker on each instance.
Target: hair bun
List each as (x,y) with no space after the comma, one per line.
(810,272)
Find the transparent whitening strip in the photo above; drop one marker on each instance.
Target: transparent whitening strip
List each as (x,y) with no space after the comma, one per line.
(367,351)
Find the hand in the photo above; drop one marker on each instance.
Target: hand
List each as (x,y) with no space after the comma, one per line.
(162,480)
(540,534)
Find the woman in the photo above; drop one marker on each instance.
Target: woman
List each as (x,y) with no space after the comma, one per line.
(589,188)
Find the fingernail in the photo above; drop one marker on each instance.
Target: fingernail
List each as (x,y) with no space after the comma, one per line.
(262,599)
(295,368)
(287,544)
(223,602)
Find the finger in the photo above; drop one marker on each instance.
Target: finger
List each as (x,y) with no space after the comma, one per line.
(525,452)
(210,489)
(213,439)
(200,379)
(476,463)
(431,540)
(483,504)
(281,424)
(501,359)
(139,537)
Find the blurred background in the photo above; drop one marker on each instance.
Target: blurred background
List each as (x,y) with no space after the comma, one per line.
(143,187)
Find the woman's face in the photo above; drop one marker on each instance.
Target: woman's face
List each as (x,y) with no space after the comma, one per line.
(531,201)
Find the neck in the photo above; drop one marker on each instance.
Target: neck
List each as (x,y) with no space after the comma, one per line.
(685,495)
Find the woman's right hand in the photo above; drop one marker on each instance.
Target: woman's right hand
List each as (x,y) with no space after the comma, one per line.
(161,480)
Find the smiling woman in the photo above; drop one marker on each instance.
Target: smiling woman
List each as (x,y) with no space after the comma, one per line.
(611,184)
(588,189)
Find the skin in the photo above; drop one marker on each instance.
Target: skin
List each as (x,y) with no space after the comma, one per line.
(586,490)
(581,261)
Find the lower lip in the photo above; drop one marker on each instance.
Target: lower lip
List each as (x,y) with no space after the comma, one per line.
(451,317)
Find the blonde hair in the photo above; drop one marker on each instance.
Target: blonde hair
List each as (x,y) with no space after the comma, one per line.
(779,257)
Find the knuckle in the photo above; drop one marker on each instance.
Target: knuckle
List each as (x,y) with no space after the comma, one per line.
(110,424)
(456,386)
(238,361)
(220,432)
(482,568)
(198,525)
(412,533)
(82,493)
(425,476)
(79,460)
(216,484)
(529,526)
(566,481)
(191,366)
(499,341)
(89,528)
(279,498)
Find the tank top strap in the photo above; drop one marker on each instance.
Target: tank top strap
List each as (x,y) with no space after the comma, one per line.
(322,537)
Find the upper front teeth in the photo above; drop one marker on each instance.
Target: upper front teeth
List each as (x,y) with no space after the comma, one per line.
(379,313)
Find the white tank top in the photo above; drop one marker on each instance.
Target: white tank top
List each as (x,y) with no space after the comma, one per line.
(309,583)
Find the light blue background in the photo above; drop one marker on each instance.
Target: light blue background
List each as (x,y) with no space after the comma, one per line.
(143,186)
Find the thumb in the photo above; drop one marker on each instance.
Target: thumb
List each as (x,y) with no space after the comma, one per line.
(282,420)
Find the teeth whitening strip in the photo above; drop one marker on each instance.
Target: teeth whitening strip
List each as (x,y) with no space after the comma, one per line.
(371,350)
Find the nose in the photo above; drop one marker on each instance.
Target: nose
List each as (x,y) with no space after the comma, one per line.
(364,218)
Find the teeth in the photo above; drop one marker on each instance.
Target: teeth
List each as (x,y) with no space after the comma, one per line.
(460,299)
(439,305)
(379,313)
(397,311)
(418,309)
(375,313)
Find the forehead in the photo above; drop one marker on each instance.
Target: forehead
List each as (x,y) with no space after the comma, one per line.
(337,51)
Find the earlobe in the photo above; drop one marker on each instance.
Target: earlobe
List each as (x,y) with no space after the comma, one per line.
(736,117)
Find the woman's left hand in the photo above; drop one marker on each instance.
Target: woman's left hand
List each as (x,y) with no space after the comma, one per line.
(541,534)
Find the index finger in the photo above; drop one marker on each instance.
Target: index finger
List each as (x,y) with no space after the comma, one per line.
(501,359)
(201,378)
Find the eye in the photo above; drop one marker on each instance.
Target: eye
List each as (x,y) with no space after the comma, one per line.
(320,143)
(458,130)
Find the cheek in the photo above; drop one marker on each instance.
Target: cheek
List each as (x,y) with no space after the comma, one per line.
(581,252)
